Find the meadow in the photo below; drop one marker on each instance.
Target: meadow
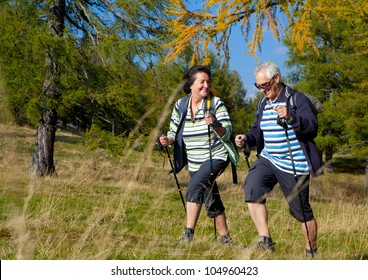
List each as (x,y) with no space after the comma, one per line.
(103,207)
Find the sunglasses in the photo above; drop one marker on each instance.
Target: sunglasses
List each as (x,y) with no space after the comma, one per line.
(266,85)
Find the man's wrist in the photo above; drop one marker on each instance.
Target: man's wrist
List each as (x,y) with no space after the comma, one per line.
(290,119)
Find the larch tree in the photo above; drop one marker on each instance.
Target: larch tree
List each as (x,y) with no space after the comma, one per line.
(211,24)
(337,76)
(74,27)
(43,155)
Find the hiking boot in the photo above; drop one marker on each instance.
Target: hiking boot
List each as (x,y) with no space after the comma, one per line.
(187,235)
(265,246)
(225,239)
(310,254)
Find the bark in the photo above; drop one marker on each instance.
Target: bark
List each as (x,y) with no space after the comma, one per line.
(329,153)
(43,155)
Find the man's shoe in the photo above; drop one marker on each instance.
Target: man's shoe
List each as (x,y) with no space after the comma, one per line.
(226,239)
(264,246)
(187,235)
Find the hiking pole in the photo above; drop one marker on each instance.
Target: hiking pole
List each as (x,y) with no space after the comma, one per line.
(209,133)
(176,178)
(283,124)
(210,151)
(246,151)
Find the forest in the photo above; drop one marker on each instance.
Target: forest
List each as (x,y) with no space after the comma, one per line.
(109,72)
(106,67)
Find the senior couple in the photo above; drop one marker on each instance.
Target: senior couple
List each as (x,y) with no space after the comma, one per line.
(286,153)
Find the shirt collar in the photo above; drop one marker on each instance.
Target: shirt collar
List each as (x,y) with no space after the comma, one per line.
(282,96)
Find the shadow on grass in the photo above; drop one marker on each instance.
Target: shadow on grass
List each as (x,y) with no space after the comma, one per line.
(61,138)
(348,165)
(68,139)
(16,135)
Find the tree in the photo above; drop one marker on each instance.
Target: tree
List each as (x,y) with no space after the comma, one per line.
(225,83)
(43,156)
(21,61)
(69,33)
(337,75)
(230,89)
(211,23)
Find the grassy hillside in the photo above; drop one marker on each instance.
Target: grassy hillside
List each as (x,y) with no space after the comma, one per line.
(101,207)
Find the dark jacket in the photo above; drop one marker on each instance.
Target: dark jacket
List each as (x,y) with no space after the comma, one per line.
(305,126)
(180,154)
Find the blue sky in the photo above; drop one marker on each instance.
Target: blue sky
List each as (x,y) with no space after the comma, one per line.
(244,63)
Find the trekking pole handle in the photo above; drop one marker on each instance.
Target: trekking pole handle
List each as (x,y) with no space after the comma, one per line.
(282,122)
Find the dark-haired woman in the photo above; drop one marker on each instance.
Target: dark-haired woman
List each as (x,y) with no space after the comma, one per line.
(195,131)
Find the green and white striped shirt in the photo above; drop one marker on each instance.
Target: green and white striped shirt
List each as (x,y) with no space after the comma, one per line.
(195,133)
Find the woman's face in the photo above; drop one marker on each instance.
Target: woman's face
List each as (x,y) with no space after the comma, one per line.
(201,85)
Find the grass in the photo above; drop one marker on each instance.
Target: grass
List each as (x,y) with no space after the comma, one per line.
(103,207)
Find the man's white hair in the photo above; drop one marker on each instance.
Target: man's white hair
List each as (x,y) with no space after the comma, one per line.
(269,67)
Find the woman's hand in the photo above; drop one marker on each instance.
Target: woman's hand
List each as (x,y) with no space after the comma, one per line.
(166,141)
(208,119)
(216,125)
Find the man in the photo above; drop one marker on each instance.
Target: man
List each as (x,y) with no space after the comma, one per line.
(277,131)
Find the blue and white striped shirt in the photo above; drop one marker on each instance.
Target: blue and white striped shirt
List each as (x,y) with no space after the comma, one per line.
(276,147)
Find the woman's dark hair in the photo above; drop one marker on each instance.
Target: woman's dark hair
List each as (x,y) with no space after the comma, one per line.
(190,77)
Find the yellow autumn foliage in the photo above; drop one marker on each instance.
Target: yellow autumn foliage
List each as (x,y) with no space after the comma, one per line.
(217,17)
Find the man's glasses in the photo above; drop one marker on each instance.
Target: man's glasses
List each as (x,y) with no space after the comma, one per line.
(266,85)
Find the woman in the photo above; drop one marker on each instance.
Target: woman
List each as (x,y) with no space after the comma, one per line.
(196,128)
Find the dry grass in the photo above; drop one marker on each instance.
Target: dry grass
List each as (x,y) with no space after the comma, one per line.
(101,207)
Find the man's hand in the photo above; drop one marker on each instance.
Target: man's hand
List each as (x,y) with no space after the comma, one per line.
(282,112)
(240,140)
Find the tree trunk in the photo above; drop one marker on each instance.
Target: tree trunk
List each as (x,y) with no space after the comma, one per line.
(43,155)
(328,166)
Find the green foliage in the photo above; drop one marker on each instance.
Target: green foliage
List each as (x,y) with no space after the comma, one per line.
(96,138)
(21,55)
(354,107)
(159,82)
(231,89)
(336,74)
(110,81)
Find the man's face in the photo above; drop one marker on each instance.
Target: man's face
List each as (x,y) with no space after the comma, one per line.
(268,85)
